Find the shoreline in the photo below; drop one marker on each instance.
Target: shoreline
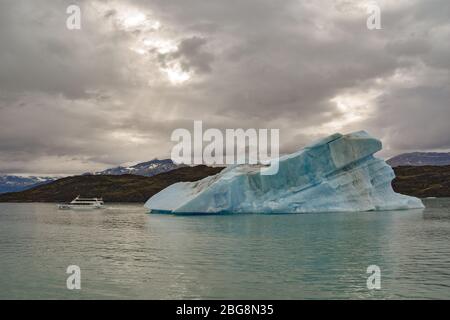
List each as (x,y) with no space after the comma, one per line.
(420,182)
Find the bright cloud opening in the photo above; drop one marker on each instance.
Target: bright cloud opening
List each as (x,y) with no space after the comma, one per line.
(133,20)
(176,74)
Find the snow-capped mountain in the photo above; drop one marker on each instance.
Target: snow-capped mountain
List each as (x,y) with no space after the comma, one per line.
(13,183)
(420,159)
(10,183)
(147,169)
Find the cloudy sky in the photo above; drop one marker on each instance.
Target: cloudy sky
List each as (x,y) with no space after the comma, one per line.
(111,93)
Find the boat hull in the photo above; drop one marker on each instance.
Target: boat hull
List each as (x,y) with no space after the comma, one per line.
(79,208)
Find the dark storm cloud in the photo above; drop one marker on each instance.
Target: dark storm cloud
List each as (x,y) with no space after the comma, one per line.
(73,101)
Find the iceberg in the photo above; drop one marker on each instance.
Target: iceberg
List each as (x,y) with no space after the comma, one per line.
(338,173)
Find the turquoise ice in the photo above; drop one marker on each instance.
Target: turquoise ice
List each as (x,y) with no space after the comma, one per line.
(338,173)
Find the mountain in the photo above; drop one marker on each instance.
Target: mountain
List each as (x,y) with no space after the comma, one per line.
(10,183)
(113,188)
(420,159)
(147,169)
(423,181)
(427,181)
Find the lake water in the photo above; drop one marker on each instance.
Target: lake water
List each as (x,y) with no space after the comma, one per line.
(125,253)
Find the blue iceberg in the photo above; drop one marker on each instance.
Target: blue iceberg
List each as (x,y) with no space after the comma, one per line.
(338,173)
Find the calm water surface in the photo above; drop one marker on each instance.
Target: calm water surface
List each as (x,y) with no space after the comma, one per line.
(125,253)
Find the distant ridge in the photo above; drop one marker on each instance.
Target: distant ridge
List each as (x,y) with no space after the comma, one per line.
(113,188)
(12,183)
(420,159)
(423,181)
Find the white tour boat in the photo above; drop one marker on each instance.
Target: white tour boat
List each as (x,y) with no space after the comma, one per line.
(83,204)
